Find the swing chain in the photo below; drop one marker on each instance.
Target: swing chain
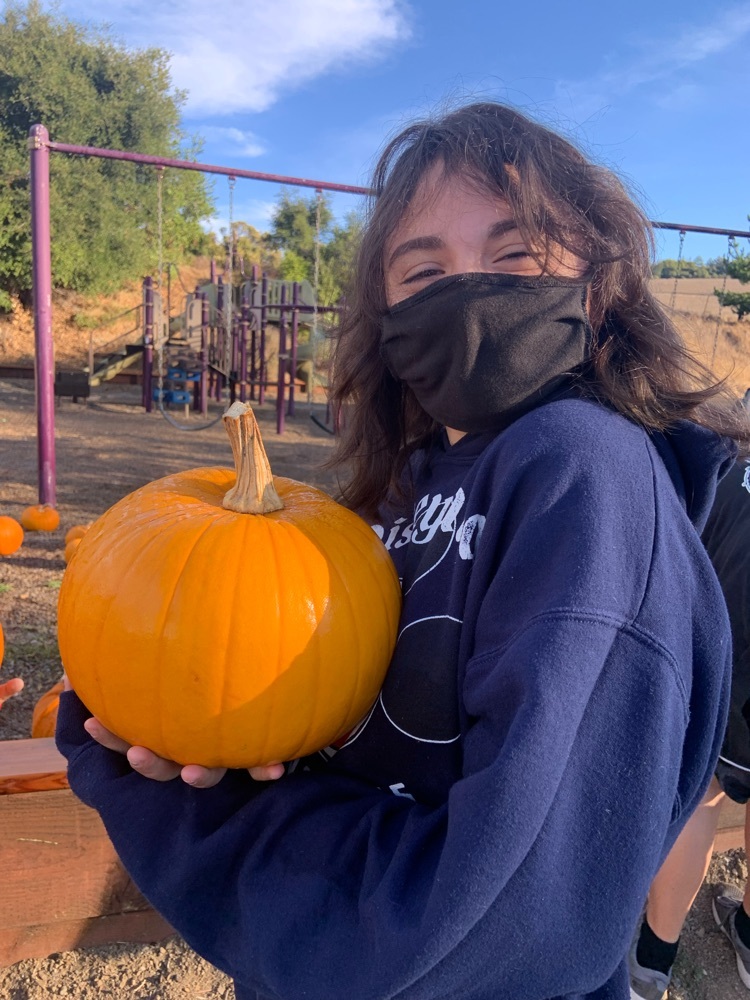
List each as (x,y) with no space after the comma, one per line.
(731,250)
(160,339)
(160,222)
(229,291)
(678,272)
(316,287)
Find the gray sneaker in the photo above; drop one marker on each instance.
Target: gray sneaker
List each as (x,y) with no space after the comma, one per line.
(727,899)
(645,984)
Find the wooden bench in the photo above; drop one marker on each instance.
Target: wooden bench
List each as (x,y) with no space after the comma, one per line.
(63,886)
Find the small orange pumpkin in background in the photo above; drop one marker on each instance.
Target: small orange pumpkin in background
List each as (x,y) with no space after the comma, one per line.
(77,531)
(70,549)
(44,719)
(229,618)
(40,517)
(11,535)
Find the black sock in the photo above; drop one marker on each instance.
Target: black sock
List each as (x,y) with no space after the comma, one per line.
(653,953)
(742,926)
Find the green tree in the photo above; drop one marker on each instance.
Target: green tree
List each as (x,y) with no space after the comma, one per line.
(251,247)
(738,267)
(89,90)
(293,232)
(687,268)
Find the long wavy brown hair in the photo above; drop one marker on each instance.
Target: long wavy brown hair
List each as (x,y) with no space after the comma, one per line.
(639,363)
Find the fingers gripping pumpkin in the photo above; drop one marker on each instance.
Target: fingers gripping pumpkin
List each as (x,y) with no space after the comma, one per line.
(229,619)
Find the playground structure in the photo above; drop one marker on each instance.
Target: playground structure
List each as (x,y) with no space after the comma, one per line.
(40,148)
(218,343)
(226,348)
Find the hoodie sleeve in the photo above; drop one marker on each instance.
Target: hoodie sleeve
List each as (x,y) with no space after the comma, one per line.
(321,887)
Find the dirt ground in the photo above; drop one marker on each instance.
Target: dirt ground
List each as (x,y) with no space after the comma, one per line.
(105,450)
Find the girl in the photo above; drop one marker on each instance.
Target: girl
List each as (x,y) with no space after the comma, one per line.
(524,431)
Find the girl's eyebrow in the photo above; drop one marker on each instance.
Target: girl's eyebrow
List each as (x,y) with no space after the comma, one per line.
(495,231)
(418,243)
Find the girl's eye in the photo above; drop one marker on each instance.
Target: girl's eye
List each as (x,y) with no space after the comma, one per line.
(516,255)
(428,272)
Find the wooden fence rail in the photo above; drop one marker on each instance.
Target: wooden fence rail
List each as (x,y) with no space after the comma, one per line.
(63,886)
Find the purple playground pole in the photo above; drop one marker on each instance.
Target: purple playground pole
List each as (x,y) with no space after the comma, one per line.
(283,358)
(204,352)
(262,349)
(212,272)
(221,334)
(293,353)
(148,342)
(254,335)
(42,292)
(244,323)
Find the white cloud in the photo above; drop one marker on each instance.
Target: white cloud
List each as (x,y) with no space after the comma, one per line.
(243,56)
(660,60)
(237,141)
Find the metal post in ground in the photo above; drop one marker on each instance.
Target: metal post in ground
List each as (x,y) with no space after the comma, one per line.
(262,349)
(293,351)
(283,359)
(148,342)
(244,323)
(205,320)
(44,356)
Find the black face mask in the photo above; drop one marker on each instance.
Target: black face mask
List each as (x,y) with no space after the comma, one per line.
(478,350)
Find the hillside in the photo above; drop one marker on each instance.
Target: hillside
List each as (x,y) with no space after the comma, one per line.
(78,320)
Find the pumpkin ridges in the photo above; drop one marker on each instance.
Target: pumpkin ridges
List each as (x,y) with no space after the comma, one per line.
(161,630)
(126,542)
(167,590)
(332,541)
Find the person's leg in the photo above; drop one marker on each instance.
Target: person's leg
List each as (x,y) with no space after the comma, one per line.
(679,879)
(746,897)
(732,914)
(670,897)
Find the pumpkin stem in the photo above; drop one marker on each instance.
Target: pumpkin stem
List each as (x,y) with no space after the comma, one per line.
(254,492)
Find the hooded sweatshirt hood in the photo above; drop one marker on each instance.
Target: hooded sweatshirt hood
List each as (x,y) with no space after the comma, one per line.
(696,458)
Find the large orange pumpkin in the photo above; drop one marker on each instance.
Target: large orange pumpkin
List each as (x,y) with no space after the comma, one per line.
(40,517)
(226,618)
(11,535)
(44,719)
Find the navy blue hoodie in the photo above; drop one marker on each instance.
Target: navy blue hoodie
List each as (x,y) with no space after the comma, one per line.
(552,716)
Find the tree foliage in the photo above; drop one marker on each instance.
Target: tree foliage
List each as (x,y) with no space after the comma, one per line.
(251,249)
(738,267)
(89,90)
(293,232)
(689,268)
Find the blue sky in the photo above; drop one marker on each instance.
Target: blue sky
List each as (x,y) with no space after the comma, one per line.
(312,88)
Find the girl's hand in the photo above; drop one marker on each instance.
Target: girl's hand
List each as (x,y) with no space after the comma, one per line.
(10,688)
(147,763)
